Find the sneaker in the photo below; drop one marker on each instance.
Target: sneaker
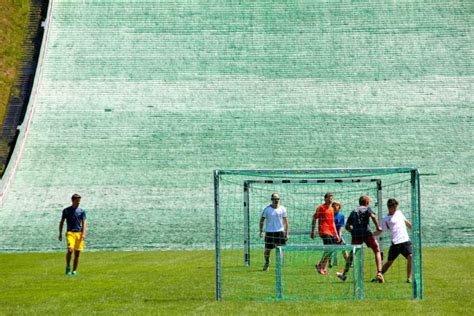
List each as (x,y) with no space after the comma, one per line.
(380,278)
(265,266)
(68,271)
(408,280)
(74,273)
(341,276)
(320,269)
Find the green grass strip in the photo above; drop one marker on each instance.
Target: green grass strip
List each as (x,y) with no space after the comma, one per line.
(182,282)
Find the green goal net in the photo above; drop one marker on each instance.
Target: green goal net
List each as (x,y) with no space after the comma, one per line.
(241,196)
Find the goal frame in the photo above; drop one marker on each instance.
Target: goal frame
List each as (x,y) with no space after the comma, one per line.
(348,174)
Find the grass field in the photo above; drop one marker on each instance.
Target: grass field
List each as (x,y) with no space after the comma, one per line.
(182,282)
(299,280)
(13,23)
(13,26)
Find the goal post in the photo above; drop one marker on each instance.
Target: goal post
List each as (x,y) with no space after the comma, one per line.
(241,195)
(417,274)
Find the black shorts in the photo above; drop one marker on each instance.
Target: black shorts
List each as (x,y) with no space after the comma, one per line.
(329,240)
(405,248)
(273,239)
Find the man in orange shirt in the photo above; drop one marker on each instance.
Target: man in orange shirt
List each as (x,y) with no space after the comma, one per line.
(324,214)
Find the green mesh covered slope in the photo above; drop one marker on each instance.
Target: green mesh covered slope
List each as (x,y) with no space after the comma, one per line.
(136,102)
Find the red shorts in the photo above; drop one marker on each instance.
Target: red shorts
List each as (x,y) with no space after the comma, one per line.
(370,241)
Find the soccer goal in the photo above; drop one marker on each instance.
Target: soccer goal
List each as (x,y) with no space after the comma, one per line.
(240,197)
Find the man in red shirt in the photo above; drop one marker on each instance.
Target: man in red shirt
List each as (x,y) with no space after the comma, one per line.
(324,214)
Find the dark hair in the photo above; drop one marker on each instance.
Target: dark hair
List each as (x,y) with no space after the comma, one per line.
(75,196)
(328,194)
(392,202)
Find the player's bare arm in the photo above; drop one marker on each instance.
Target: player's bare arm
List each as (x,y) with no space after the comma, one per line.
(376,223)
(287,227)
(61,223)
(262,220)
(338,237)
(313,228)
(83,233)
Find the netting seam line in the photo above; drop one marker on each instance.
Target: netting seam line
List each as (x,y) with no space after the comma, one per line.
(253,187)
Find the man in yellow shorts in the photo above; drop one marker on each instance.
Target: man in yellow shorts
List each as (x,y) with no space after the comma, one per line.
(75,218)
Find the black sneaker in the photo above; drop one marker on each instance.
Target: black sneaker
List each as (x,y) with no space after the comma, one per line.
(341,276)
(266,265)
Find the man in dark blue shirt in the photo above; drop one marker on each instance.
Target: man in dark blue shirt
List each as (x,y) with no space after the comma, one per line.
(358,225)
(75,218)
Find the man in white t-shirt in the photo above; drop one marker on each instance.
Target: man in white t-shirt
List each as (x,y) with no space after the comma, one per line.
(397,224)
(276,228)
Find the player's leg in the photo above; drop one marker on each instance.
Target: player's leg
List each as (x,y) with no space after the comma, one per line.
(345,254)
(409,267)
(393,253)
(350,258)
(318,265)
(342,275)
(79,246)
(407,252)
(324,257)
(372,243)
(280,240)
(266,256)
(321,266)
(70,241)
(386,266)
(378,260)
(269,245)
(330,240)
(68,261)
(77,254)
